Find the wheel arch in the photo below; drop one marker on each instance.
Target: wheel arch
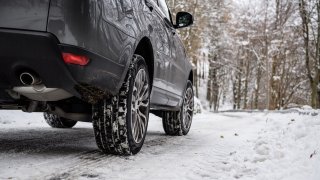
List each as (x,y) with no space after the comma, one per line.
(190,78)
(145,49)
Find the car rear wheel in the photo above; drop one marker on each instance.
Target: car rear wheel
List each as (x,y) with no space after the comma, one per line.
(56,121)
(178,123)
(120,122)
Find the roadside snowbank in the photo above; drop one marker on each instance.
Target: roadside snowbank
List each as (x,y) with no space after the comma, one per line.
(287,147)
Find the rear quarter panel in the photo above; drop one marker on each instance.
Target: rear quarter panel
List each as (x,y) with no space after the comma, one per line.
(105,27)
(24,14)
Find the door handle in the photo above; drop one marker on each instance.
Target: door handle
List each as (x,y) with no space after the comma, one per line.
(149,5)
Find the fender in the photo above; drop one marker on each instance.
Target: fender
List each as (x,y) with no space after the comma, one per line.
(142,34)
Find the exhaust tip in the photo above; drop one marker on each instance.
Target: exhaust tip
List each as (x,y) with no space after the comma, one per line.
(28,79)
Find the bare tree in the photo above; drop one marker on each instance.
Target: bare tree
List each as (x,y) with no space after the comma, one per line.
(311,34)
(253,55)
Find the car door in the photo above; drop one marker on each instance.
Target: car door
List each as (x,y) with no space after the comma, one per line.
(162,43)
(175,72)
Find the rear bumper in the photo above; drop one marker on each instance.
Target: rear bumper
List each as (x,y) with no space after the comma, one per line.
(40,53)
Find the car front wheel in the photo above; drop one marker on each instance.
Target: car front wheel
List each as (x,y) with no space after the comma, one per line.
(178,123)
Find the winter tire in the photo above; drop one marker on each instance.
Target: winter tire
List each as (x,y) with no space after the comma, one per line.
(178,123)
(58,122)
(120,122)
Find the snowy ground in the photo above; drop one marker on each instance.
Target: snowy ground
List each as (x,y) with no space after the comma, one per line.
(222,146)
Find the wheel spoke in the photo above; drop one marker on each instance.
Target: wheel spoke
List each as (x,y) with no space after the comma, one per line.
(145,93)
(137,128)
(142,128)
(188,117)
(135,121)
(142,116)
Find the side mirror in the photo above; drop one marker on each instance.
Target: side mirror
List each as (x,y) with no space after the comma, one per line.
(184,19)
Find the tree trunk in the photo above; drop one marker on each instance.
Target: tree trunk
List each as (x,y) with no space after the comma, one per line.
(257,87)
(314,94)
(317,80)
(305,27)
(273,85)
(239,89)
(234,91)
(215,92)
(245,99)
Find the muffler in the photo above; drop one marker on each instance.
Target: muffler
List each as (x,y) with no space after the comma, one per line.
(29,79)
(35,90)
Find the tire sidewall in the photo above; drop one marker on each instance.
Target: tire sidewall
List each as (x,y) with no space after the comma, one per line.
(139,63)
(185,131)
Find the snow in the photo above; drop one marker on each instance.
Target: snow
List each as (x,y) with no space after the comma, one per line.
(276,78)
(231,145)
(306,107)
(197,106)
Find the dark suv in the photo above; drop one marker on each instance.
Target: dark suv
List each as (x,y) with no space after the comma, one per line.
(109,62)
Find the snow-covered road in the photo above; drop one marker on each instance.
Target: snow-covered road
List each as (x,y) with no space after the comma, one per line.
(219,146)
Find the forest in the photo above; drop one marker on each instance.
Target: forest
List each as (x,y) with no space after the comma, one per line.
(254,54)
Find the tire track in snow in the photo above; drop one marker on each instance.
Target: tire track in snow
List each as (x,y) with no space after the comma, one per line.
(217,161)
(205,166)
(80,165)
(85,163)
(156,147)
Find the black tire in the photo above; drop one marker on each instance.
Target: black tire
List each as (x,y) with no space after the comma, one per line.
(174,122)
(171,123)
(113,117)
(58,122)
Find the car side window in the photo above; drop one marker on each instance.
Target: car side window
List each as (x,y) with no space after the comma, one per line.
(164,8)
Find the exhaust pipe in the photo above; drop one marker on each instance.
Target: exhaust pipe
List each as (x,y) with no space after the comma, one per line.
(29,79)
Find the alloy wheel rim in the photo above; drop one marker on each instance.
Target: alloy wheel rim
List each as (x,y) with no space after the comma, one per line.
(188,106)
(140,106)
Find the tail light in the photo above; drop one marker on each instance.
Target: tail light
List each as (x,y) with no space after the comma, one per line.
(70,58)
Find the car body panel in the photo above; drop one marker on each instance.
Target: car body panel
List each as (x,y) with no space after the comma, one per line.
(161,40)
(98,26)
(177,73)
(24,14)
